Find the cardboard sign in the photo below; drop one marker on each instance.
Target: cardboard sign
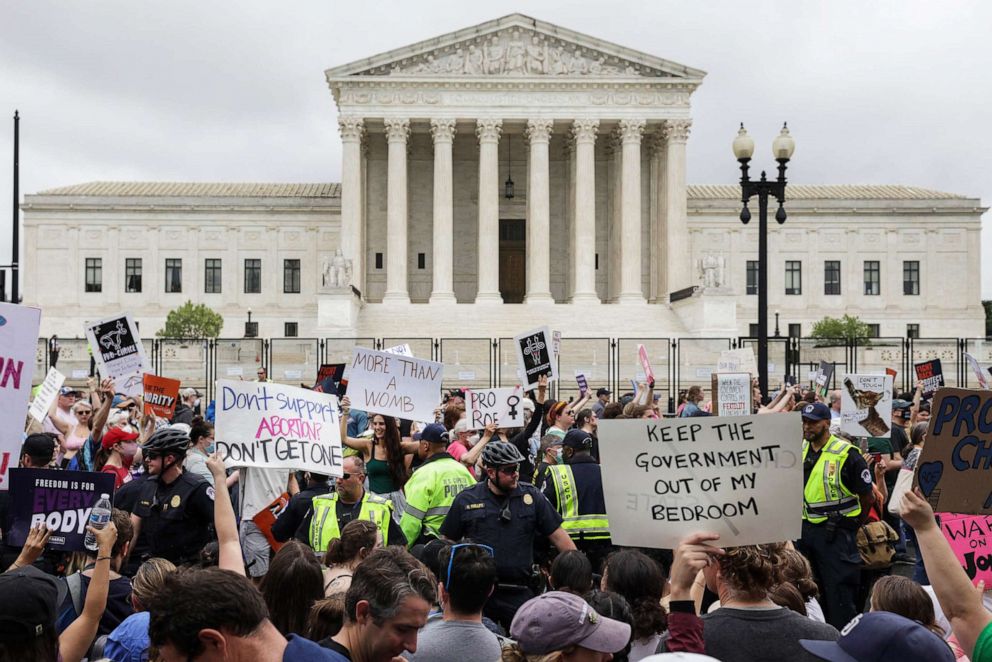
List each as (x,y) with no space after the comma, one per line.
(535,356)
(977,369)
(731,394)
(160,395)
(642,355)
(47,392)
(741,477)
(60,499)
(502,406)
(866,406)
(402,350)
(329,378)
(394,385)
(263,424)
(931,374)
(738,360)
(970,538)
(267,517)
(556,343)
(118,352)
(824,375)
(955,466)
(580,379)
(18,344)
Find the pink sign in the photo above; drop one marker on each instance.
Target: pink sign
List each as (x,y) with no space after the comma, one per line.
(970,536)
(642,354)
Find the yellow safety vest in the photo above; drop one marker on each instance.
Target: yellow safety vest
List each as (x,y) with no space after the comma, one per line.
(324,523)
(825,494)
(588,526)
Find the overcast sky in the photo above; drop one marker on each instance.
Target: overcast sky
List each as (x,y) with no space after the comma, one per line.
(874,92)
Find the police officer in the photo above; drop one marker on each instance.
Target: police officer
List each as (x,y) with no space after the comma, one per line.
(175,509)
(506,515)
(836,499)
(575,489)
(432,487)
(290,523)
(350,500)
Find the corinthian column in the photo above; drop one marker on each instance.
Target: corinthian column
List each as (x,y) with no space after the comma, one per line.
(488,130)
(350,241)
(630,212)
(397,132)
(538,214)
(443,132)
(584,196)
(676,235)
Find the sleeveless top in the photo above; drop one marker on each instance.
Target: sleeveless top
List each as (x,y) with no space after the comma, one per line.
(380,480)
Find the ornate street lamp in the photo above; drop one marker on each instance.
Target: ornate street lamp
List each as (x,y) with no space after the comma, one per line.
(782,148)
(508,184)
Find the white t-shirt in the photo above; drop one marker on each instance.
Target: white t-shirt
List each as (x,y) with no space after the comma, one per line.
(259,488)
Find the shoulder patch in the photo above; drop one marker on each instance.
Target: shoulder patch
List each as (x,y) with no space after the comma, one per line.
(474,506)
(866,476)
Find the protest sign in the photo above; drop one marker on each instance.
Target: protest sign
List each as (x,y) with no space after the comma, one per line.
(955,466)
(931,374)
(118,352)
(329,378)
(494,405)
(866,405)
(394,385)
(556,343)
(741,477)
(892,372)
(263,424)
(534,356)
(824,375)
(47,392)
(580,379)
(266,517)
(731,394)
(977,369)
(160,395)
(402,350)
(60,499)
(642,355)
(970,538)
(18,344)
(738,360)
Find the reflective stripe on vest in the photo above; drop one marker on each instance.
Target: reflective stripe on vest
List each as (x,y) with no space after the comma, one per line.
(824,494)
(324,523)
(587,526)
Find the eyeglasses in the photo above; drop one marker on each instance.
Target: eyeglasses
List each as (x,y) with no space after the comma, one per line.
(569,413)
(509,469)
(451,559)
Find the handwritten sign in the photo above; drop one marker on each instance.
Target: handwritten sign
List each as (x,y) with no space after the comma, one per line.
(47,392)
(822,378)
(977,369)
(955,466)
(741,477)
(263,424)
(402,350)
(118,352)
(931,374)
(161,395)
(535,356)
(866,406)
(494,405)
(731,394)
(970,537)
(60,499)
(738,360)
(18,343)
(394,385)
(642,355)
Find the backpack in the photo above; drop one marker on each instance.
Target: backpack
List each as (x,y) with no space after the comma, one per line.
(876,544)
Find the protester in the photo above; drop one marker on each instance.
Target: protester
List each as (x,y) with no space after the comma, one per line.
(881,636)
(639,579)
(795,569)
(129,640)
(692,399)
(358,538)
(36,452)
(602,399)
(613,605)
(552,453)
(561,627)
(571,572)
(387,457)
(189,399)
(201,446)
(903,596)
(291,587)
(117,450)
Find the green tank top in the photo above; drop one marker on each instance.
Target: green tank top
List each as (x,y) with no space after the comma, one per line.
(380,480)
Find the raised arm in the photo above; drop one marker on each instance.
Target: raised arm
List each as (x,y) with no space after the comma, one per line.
(59,424)
(470,457)
(917,396)
(363,445)
(228,544)
(103,412)
(76,639)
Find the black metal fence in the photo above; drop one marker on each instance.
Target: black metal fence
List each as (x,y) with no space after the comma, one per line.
(677,363)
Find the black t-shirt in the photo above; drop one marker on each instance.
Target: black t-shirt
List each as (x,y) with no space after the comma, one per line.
(335,646)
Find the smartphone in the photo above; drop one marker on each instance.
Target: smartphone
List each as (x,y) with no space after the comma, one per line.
(876,457)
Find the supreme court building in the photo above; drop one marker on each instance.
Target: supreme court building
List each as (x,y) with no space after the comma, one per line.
(424,235)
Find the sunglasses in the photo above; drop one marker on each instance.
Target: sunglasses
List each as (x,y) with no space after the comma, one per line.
(84,411)
(451,558)
(509,469)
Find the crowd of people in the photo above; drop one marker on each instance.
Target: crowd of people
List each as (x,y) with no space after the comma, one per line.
(440,542)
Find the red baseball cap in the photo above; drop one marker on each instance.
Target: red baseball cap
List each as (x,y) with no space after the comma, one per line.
(116,434)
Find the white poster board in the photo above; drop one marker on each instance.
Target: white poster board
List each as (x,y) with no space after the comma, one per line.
(47,393)
(264,424)
(394,385)
(18,345)
(731,394)
(402,350)
(741,477)
(535,356)
(738,360)
(866,405)
(976,368)
(118,352)
(502,406)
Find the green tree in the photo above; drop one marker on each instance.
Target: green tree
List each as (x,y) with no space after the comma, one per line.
(847,327)
(189,321)
(988,318)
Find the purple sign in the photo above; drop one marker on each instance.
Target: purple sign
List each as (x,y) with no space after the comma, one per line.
(60,499)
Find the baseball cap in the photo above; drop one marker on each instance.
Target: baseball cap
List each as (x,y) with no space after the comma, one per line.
(68,390)
(39,447)
(603,391)
(816,411)
(577,439)
(881,636)
(116,434)
(434,433)
(188,393)
(29,601)
(554,620)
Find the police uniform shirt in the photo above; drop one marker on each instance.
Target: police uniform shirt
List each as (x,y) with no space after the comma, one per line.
(854,474)
(346,512)
(177,528)
(589,485)
(289,524)
(476,515)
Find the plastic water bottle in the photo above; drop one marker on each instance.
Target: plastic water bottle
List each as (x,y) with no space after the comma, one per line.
(99,517)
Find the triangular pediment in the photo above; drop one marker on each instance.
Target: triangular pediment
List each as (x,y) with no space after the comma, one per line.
(515,46)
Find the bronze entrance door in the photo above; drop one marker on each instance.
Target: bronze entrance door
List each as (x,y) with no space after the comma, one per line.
(513,260)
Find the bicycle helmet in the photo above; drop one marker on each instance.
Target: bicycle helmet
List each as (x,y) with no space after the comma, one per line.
(167,440)
(500,453)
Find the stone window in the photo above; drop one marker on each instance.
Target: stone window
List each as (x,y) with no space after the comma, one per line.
(253,276)
(831,277)
(132,274)
(173,274)
(873,277)
(793,277)
(913,331)
(911,277)
(94,274)
(291,329)
(291,277)
(795,330)
(874,331)
(212,275)
(752,277)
